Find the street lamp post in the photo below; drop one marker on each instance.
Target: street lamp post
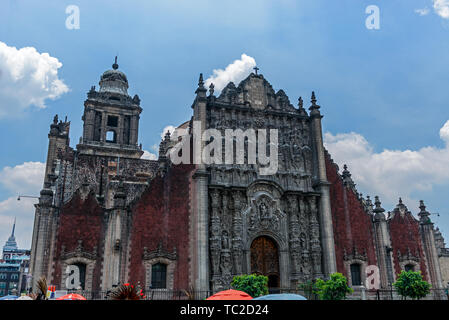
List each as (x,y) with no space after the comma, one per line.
(23,196)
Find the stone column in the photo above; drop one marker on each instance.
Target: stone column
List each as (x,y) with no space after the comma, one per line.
(322,186)
(200,181)
(427,235)
(89,124)
(237,234)
(42,236)
(114,247)
(383,245)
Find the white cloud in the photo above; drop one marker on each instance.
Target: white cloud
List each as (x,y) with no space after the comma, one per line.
(391,173)
(148,155)
(235,72)
(27,78)
(24,179)
(422,12)
(441,8)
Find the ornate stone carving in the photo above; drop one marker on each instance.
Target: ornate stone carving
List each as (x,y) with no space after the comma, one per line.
(159,253)
(264,215)
(79,252)
(408,256)
(354,255)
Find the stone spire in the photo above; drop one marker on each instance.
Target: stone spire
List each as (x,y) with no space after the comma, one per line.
(201,89)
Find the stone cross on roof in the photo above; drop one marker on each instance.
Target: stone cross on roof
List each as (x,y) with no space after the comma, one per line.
(256,69)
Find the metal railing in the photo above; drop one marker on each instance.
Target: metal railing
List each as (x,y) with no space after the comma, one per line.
(165,294)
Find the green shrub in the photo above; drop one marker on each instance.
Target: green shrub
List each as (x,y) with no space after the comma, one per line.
(411,284)
(253,284)
(309,289)
(336,288)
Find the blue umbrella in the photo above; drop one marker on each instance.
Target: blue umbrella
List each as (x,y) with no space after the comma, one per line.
(281,296)
(9,297)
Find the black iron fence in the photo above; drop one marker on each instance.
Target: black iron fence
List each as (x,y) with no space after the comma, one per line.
(359,294)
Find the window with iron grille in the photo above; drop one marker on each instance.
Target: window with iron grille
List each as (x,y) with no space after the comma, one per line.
(356,275)
(159,276)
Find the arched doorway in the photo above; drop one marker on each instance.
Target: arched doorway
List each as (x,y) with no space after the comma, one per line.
(265,260)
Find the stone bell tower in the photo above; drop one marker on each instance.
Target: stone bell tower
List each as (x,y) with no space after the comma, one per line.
(111,118)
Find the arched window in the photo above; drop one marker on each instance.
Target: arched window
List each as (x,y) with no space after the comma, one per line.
(159,276)
(409,267)
(356,274)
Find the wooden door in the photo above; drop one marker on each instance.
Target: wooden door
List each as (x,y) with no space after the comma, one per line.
(265,260)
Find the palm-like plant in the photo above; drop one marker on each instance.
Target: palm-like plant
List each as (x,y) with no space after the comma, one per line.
(126,292)
(41,293)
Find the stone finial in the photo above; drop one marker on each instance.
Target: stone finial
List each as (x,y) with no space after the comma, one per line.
(314,108)
(115,65)
(313,100)
(378,210)
(400,200)
(300,103)
(201,90)
(55,119)
(211,89)
(378,205)
(167,136)
(422,206)
(423,214)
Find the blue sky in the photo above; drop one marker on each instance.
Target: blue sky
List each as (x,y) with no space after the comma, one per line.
(388,86)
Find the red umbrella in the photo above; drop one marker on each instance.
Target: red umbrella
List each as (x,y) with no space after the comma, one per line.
(230,295)
(71,296)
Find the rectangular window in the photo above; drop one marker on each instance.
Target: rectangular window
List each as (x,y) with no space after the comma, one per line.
(355,275)
(159,276)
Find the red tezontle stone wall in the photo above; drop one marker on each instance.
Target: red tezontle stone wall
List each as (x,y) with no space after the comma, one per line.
(162,215)
(80,220)
(404,233)
(352,225)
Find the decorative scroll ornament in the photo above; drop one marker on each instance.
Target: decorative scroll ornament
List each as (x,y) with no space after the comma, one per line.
(159,253)
(79,252)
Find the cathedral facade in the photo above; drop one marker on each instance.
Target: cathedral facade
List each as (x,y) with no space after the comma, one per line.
(107,216)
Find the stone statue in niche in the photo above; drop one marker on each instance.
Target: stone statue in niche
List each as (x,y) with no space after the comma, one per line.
(226,267)
(302,240)
(225,240)
(264,212)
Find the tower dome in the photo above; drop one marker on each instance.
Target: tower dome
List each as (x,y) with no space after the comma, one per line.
(114,81)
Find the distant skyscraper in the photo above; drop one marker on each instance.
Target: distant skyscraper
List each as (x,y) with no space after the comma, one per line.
(14,267)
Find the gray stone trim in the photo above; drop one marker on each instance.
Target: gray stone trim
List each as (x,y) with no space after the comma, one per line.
(148,264)
(363,265)
(90,264)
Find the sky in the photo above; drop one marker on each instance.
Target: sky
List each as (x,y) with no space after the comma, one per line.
(383,91)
